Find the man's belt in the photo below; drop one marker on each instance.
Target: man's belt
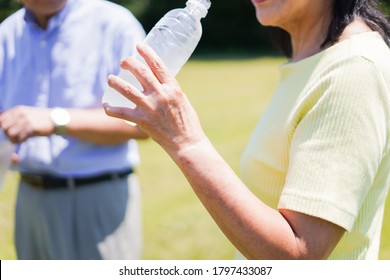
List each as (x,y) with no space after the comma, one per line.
(50,182)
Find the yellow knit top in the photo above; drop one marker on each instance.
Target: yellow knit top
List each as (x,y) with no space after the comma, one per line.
(322,146)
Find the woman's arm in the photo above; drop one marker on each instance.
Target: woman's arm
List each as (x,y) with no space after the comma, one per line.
(257,230)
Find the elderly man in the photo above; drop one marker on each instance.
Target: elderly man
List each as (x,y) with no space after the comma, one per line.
(78,196)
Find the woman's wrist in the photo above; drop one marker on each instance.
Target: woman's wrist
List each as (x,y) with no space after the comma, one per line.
(191,150)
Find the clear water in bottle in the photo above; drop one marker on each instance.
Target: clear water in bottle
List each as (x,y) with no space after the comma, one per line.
(173,38)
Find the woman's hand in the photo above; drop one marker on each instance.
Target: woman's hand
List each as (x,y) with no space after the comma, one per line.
(162,109)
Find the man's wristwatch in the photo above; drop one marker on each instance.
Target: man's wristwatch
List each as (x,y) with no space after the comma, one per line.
(60,117)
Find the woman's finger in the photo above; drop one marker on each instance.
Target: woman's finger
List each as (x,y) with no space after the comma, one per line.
(123,113)
(155,63)
(142,73)
(126,89)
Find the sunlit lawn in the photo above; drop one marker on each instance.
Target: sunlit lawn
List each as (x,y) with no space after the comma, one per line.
(230,96)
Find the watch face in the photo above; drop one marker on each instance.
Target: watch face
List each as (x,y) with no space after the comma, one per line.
(60,116)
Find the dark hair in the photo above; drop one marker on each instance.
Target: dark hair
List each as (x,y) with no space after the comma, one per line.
(344,12)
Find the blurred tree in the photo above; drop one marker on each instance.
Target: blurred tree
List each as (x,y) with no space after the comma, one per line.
(229,25)
(7,7)
(385,5)
(137,7)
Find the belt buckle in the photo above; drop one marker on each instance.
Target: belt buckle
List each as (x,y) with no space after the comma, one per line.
(71,184)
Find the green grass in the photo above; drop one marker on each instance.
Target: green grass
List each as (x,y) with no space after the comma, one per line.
(229,96)
(7,204)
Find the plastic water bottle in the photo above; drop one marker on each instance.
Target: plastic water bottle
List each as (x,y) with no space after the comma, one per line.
(173,38)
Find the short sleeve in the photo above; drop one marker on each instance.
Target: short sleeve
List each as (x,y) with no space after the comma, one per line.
(338,143)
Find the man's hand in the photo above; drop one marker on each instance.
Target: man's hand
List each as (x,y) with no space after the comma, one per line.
(23,122)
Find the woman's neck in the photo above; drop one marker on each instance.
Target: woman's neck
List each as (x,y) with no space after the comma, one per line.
(309,41)
(355,27)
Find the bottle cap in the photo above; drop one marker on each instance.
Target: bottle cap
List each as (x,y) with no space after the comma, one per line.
(203,5)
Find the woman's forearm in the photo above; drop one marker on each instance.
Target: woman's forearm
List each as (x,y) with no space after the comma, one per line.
(257,230)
